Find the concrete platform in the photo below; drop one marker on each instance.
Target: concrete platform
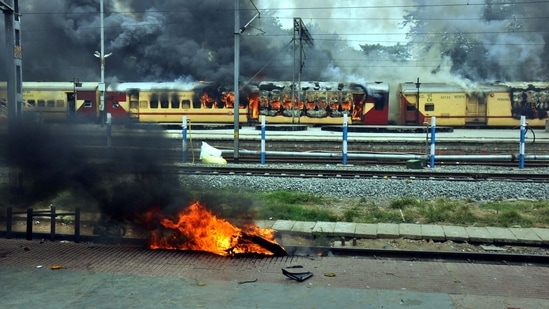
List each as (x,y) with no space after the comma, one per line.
(543,234)
(283,225)
(324,228)
(479,234)
(410,231)
(484,235)
(526,236)
(502,235)
(455,233)
(303,228)
(345,229)
(366,230)
(388,230)
(434,232)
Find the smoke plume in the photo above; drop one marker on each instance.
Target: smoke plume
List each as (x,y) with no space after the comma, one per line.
(475,40)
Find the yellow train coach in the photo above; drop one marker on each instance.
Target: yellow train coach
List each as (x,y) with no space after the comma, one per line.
(481,105)
(168,102)
(58,101)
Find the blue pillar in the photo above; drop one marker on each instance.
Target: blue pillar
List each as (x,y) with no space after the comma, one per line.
(345,128)
(522,141)
(184,138)
(433,131)
(262,139)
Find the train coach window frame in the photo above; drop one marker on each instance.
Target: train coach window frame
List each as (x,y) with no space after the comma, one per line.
(134,104)
(429,107)
(186,104)
(153,103)
(41,103)
(164,101)
(60,103)
(50,103)
(175,104)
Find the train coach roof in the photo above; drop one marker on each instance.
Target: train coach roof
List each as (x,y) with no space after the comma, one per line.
(311,85)
(409,88)
(149,86)
(58,86)
(525,85)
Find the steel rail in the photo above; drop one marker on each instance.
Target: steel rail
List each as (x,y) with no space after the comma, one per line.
(350,173)
(429,255)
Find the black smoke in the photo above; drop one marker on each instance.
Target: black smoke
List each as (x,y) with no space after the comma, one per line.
(171,40)
(156,41)
(69,166)
(52,159)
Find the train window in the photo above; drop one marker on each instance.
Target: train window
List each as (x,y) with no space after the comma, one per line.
(154,103)
(175,101)
(186,104)
(41,103)
(59,103)
(164,101)
(134,104)
(31,102)
(50,103)
(87,103)
(143,104)
(429,107)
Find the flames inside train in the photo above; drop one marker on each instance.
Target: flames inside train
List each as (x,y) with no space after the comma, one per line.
(285,102)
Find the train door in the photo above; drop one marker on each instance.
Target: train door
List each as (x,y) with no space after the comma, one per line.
(476,110)
(71,104)
(409,111)
(117,105)
(133,98)
(87,108)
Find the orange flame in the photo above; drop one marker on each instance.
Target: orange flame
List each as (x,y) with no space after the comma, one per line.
(253,102)
(207,101)
(228,99)
(196,228)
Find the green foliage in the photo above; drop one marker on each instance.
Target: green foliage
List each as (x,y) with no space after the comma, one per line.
(381,215)
(292,198)
(397,52)
(308,207)
(509,218)
(404,202)
(297,213)
(290,205)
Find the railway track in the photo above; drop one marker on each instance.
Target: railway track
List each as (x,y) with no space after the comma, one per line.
(350,173)
(430,255)
(337,161)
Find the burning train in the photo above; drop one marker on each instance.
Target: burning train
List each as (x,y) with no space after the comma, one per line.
(480,105)
(284,102)
(314,103)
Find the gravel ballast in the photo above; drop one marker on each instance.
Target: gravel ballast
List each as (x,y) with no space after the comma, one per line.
(391,187)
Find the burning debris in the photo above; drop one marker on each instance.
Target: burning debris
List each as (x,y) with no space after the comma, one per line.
(197,228)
